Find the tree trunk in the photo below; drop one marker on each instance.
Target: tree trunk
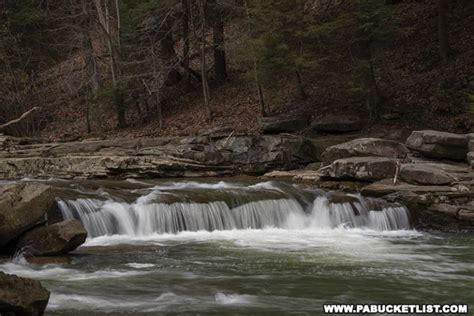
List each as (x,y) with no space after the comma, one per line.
(220,64)
(373,95)
(88,120)
(160,109)
(443,42)
(205,86)
(104,22)
(90,63)
(258,85)
(186,47)
(300,85)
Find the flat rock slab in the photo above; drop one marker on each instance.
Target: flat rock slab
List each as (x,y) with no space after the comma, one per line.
(416,173)
(159,157)
(440,145)
(307,175)
(364,147)
(281,174)
(360,168)
(386,187)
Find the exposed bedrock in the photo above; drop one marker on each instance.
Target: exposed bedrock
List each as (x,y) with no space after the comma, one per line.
(432,175)
(158,157)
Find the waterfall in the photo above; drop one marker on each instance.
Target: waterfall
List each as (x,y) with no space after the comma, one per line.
(233,209)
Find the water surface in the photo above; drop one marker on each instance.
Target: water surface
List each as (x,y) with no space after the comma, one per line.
(293,267)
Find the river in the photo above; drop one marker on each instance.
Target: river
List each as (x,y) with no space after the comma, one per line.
(242,246)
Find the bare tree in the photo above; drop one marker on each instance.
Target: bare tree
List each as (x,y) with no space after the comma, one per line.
(258,85)
(205,84)
(104,18)
(21,118)
(220,63)
(186,46)
(443,42)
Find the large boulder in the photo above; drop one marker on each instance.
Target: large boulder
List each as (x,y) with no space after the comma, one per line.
(419,173)
(337,124)
(56,239)
(20,296)
(360,168)
(364,147)
(439,145)
(22,206)
(283,124)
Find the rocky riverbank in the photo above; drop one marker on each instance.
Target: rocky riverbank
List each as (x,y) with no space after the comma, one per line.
(26,229)
(431,174)
(201,156)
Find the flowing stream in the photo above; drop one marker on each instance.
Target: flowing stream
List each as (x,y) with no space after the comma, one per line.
(241,246)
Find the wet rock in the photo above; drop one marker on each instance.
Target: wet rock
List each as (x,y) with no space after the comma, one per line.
(55,239)
(360,168)
(22,206)
(21,296)
(440,145)
(386,186)
(337,124)
(48,260)
(364,147)
(283,124)
(446,217)
(424,174)
(341,198)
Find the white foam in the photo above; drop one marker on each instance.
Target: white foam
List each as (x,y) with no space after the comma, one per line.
(363,244)
(233,299)
(55,272)
(140,265)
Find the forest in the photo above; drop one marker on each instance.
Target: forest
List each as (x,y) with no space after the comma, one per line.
(104,68)
(236,157)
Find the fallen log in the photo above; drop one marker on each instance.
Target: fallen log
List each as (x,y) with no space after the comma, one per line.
(21,118)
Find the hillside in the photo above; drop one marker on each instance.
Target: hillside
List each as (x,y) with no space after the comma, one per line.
(418,90)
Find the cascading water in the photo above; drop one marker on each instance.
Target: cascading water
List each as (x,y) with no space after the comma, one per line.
(196,207)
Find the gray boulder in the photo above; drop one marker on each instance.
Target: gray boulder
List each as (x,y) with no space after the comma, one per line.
(360,168)
(364,147)
(22,206)
(283,124)
(424,174)
(20,296)
(56,239)
(440,145)
(337,124)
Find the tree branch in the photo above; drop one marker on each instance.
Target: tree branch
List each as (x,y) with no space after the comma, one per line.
(22,117)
